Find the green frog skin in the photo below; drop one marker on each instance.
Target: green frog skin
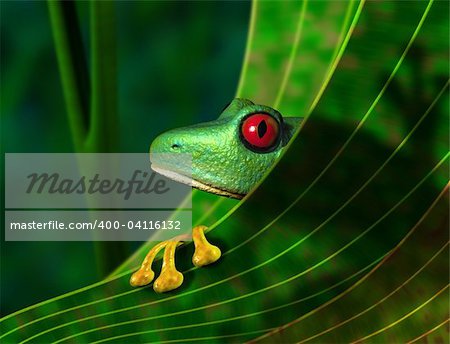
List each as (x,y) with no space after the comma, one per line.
(229,155)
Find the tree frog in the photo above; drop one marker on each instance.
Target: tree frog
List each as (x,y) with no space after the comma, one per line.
(229,156)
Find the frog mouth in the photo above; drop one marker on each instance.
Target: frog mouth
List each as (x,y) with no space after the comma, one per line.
(178,177)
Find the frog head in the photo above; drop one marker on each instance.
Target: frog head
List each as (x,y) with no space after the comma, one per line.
(229,155)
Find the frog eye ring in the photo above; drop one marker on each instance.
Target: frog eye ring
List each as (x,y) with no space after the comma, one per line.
(260,132)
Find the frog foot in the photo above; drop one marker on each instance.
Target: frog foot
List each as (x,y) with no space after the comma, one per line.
(205,253)
(170,278)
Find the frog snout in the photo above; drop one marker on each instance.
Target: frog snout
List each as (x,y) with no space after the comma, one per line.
(165,144)
(176,146)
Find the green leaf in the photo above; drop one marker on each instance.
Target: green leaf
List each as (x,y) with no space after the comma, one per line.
(90,97)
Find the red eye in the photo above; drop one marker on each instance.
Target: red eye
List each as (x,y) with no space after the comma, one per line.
(260,131)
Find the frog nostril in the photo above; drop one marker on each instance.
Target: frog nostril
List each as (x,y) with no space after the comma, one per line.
(176,146)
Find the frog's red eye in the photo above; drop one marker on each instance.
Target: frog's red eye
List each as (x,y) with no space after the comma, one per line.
(260,131)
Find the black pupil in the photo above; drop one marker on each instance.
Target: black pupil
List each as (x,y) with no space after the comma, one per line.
(262,128)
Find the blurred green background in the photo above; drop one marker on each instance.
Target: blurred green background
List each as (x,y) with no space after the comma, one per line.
(347,237)
(178,64)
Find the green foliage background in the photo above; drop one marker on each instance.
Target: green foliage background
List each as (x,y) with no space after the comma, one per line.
(175,67)
(347,237)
